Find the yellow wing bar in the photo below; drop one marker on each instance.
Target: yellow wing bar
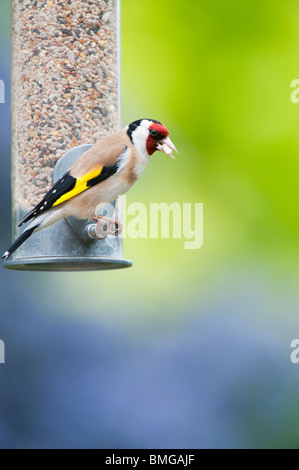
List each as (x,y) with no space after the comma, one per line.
(80,186)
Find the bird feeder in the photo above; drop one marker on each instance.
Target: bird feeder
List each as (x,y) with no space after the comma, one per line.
(65,96)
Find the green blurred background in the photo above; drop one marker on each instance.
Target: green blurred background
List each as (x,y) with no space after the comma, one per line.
(218,75)
(220,319)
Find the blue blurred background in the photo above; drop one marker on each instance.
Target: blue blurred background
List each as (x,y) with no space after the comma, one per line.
(187,349)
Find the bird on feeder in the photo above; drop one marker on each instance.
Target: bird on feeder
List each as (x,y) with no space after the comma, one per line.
(107,170)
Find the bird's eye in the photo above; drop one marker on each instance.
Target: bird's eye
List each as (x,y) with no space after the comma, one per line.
(153,133)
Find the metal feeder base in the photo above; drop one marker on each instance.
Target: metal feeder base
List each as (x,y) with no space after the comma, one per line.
(67,264)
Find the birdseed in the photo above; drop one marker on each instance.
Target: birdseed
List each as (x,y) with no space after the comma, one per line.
(65,89)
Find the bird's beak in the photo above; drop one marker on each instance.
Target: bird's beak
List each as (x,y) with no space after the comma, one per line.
(167,147)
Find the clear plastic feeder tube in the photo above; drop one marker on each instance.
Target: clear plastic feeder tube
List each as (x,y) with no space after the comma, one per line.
(65,93)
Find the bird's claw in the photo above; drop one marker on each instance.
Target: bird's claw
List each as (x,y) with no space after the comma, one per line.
(101,229)
(114,226)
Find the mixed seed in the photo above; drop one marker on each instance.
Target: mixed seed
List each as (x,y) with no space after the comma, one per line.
(64,85)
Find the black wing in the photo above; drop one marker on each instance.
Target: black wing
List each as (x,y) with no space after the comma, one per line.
(66,184)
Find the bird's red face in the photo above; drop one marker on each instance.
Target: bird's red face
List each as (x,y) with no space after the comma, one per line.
(158,139)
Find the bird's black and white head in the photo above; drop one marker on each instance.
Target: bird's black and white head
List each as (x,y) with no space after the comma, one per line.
(149,135)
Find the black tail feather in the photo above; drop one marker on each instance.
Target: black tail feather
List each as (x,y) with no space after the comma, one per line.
(23,237)
(30,215)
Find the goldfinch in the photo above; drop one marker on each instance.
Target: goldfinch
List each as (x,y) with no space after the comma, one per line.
(106,171)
